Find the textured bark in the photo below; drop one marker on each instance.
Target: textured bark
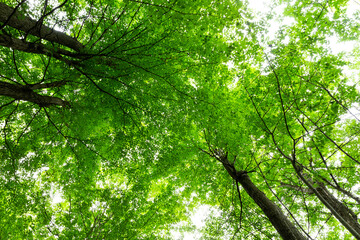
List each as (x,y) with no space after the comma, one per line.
(342,213)
(37,48)
(26,93)
(282,224)
(347,214)
(17,20)
(10,42)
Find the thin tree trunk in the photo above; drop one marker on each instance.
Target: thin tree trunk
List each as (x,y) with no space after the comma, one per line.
(26,93)
(15,19)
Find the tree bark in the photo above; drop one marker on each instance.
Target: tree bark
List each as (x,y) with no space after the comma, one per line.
(15,19)
(282,224)
(347,214)
(26,93)
(342,213)
(37,48)
(17,44)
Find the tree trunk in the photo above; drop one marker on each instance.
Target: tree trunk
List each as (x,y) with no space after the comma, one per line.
(282,224)
(11,17)
(26,93)
(347,214)
(342,213)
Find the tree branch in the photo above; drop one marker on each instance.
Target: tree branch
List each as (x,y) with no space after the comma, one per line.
(25,93)
(15,19)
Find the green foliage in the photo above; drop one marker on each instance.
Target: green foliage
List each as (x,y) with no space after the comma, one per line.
(157,85)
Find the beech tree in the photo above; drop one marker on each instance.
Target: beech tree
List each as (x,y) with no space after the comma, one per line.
(120,118)
(85,91)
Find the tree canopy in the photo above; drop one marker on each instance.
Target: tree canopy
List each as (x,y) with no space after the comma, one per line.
(120,118)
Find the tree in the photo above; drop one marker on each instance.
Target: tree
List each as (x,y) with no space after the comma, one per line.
(286,110)
(85,93)
(133,113)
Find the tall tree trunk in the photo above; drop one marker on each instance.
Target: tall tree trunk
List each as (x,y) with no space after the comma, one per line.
(347,214)
(282,224)
(26,93)
(342,213)
(15,19)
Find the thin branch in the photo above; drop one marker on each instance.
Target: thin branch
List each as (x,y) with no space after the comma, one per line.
(241,204)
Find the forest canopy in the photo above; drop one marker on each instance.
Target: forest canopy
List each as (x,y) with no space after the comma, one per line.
(121,118)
